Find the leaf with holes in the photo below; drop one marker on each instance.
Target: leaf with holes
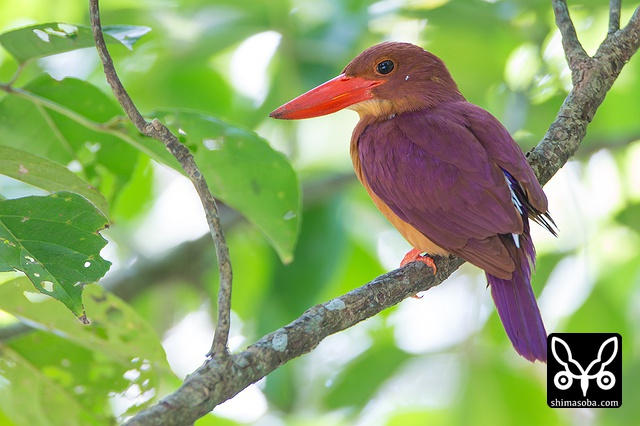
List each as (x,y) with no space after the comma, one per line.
(54,240)
(41,40)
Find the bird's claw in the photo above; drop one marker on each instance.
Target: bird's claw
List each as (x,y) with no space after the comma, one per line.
(416,255)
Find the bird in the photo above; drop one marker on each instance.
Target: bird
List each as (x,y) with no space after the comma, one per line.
(445,172)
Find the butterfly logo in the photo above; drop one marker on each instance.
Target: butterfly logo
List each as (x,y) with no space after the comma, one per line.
(573,370)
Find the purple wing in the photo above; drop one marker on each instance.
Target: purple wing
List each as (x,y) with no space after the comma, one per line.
(507,154)
(503,150)
(433,172)
(455,174)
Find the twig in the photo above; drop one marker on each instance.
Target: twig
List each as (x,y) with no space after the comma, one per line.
(614,16)
(219,380)
(573,50)
(158,131)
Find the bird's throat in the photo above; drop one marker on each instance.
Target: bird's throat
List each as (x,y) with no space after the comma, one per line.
(376,109)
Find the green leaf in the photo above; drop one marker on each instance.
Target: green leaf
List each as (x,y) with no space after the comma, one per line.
(245,173)
(46,174)
(116,330)
(136,196)
(63,121)
(40,40)
(128,35)
(54,240)
(119,350)
(46,397)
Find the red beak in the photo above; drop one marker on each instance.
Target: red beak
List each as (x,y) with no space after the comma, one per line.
(334,95)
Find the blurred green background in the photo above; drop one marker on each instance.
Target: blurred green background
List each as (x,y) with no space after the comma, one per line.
(440,360)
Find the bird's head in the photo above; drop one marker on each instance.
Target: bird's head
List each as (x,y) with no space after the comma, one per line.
(384,80)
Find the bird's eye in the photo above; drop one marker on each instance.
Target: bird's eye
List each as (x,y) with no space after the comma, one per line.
(385,67)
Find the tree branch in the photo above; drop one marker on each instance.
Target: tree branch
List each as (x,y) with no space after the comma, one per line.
(220,379)
(158,131)
(573,50)
(593,79)
(614,15)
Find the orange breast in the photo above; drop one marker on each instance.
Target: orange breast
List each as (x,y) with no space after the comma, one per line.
(411,234)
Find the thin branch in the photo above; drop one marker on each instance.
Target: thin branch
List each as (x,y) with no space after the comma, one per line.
(621,43)
(158,131)
(614,16)
(579,107)
(220,379)
(573,50)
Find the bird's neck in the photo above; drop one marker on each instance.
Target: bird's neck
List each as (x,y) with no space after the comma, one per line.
(375,110)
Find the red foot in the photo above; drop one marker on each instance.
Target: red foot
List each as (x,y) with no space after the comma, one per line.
(416,255)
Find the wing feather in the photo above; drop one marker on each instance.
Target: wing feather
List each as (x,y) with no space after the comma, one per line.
(441,171)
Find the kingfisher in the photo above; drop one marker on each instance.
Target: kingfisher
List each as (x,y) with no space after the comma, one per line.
(445,172)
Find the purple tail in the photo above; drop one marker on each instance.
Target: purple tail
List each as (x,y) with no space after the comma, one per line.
(516,303)
(514,298)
